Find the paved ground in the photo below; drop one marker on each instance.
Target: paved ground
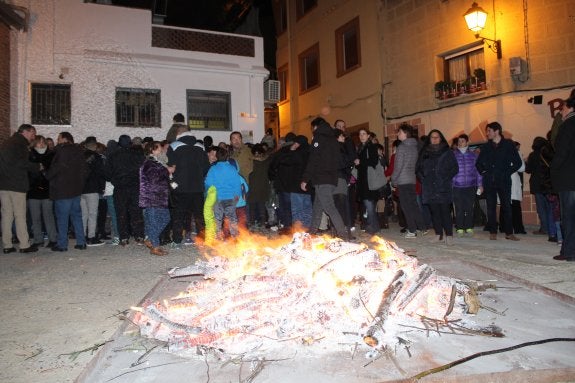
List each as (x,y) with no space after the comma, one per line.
(57,304)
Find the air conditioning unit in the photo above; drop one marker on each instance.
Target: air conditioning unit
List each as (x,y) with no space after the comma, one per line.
(272,91)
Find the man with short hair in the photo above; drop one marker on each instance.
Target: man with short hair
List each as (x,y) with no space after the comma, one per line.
(322,170)
(241,154)
(563,180)
(67,176)
(14,183)
(498,160)
(177,121)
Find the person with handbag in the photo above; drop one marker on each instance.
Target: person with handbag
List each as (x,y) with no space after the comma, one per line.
(371,179)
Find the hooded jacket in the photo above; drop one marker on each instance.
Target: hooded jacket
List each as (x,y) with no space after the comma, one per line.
(123,167)
(322,166)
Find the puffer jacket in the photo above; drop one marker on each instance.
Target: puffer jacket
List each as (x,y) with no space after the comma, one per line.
(154,184)
(436,168)
(405,161)
(322,165)
(468,176)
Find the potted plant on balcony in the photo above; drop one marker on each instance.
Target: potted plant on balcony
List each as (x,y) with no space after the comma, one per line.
(479,74)
(440,89)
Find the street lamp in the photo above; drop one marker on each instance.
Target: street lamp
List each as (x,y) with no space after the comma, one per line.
(475,17)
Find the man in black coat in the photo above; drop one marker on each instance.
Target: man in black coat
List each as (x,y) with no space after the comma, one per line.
(563,180)
(123,171)
(322,170)
(67,175)
(191,166)
(14,183)
(498,160)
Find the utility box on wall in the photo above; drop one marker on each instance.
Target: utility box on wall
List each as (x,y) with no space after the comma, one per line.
(515,66)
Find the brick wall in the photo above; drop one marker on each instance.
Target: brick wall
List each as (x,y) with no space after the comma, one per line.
(4,82)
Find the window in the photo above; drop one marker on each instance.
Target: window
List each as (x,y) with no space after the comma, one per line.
(138,107)
(281,20)
(51,104)
(303,7)
(309,69)
(460,67)
(209,110)
(347,47)
(284,82)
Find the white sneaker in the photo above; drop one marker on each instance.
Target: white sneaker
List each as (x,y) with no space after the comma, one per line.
(409,234)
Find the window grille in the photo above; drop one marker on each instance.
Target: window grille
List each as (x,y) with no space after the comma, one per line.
(138,107)
(209,110)
(50,104)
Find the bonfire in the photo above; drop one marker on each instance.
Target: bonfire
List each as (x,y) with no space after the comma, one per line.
(252,298)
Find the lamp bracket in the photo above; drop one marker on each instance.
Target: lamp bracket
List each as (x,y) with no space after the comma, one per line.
(495,46)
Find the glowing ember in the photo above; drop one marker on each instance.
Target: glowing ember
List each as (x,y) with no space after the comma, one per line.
(308,290)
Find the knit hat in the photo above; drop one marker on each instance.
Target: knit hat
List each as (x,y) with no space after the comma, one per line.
(125,141)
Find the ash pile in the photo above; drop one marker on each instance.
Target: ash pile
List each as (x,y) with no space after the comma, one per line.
(312,290)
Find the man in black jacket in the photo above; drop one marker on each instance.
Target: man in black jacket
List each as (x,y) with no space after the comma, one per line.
(93,188)
(191,165)
(123,171)
(498,160)
(14,183)
(67,175)
(322,170)
(563,180)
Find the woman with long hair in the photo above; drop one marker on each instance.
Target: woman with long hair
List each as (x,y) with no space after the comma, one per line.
(367,156)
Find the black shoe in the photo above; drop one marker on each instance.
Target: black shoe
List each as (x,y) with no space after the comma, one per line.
(51,244)
(80,247)
(9,250)
(31,249)
(552,239)
(39,244)
(560,257)
(403,230)
(56,248)
(124,242)
(94,242)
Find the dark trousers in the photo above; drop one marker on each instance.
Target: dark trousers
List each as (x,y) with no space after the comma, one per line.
(504,194)
(101,220)
(441,218)
(128,212)
(464,201)
(183,206)
(567,200)
(284,209)
(342,204)
(411,210)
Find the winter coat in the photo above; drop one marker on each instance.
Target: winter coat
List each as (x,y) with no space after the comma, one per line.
(405,161)
(436,167)
(154,184)
(536,167)
(244,160)
(467,176)
(496,163)
(96,178)
(67,173)
(191,163)
(226,179)
(123,168)
(259,183)
(39,185)
(368,156)
(287,167)
(15,164)
(322,166)
(563,164)
(348,154)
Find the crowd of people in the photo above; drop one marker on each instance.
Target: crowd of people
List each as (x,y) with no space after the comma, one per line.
(175,192)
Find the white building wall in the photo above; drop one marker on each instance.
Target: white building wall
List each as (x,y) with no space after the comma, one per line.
(97,48)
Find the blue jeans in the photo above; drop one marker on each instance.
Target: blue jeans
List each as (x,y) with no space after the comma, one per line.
(301,209)
(113,219)
(567,199)
(372,220)
(544,213)
(155,220)
(69,210)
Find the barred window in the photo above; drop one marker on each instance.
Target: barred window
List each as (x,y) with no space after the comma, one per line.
(209,110)
(138,107)
(50,104)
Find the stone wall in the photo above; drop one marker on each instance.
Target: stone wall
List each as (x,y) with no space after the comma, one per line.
(4,82)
